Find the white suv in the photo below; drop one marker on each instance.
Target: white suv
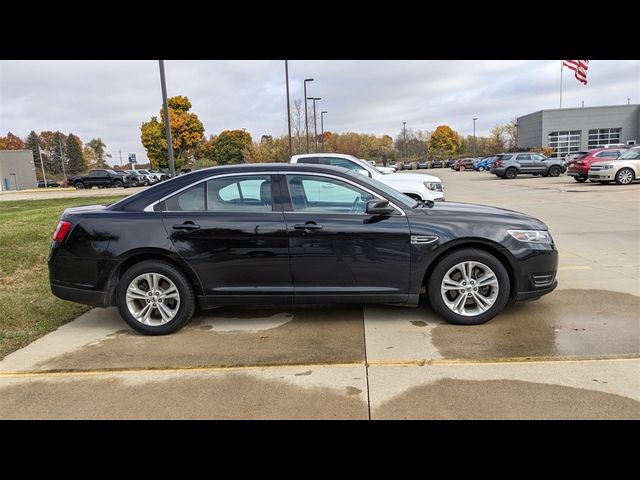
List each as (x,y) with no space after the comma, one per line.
(414,185)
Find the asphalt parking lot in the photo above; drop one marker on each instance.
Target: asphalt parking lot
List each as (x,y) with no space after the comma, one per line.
(573,354)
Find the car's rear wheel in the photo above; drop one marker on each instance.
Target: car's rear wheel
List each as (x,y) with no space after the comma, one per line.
(79,185)
(511,173)
(118,183)
(554,171)
(155,298)
(468,287)
(580,179)
(624,176)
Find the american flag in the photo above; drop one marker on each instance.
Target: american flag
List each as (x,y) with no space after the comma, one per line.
(579,67)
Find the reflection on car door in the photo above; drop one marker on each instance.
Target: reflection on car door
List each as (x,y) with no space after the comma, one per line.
(337,250)
(232,232)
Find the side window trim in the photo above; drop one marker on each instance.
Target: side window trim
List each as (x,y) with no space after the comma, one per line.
(286,194)
(276,200)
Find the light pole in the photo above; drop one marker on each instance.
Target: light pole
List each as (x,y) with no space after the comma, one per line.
(167,123)
(306,118)
(315,119)
(322,127)
(404,139)
(286,74)
(474,136)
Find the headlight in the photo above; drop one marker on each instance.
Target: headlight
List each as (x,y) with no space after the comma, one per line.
(531,236)
(607,167)
(434,186)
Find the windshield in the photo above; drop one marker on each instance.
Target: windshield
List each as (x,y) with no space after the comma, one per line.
(389,192)
(630,155)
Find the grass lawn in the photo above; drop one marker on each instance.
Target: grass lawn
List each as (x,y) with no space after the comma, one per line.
(28,309)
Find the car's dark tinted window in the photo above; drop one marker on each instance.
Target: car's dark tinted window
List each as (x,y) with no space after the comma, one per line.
(343,162)
(523,156)
(190,200)
(97,173)
(314,160)
(505,157)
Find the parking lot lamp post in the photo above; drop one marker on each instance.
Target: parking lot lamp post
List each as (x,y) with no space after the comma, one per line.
(167,122)
(322,128)
(306,117)
(315,120)
(404,139)
(474,136)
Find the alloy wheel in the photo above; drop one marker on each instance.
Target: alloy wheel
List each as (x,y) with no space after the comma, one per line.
(469,288)
(152,299)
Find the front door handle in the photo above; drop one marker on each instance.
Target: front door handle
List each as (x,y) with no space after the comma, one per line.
(187,226)
(307,226)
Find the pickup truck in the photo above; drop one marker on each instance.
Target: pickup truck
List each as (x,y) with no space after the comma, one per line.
(414,185)
(101,178)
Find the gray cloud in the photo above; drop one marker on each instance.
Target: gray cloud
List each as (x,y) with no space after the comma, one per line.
(110,99)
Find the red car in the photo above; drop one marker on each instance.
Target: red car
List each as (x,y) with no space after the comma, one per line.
(578,168)
(464,163)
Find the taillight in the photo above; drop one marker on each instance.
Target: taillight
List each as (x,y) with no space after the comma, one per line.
(61,230)
(497,163)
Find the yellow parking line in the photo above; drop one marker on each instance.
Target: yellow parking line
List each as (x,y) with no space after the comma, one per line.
(373,363)
(576,267)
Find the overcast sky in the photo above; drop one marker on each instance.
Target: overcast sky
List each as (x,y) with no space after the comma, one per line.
(110,99)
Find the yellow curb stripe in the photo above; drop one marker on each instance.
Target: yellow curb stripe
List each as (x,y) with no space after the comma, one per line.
(373,363)
(575,267)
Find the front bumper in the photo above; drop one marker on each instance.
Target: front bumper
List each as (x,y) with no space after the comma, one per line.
(602,175)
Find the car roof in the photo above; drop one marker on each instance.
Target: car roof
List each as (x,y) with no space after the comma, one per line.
(320,154)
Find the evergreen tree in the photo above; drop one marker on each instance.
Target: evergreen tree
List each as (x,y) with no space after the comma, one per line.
(31,143)
(53,164)
(75,159)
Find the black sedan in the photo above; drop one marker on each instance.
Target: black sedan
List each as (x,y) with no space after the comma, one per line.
(50,183)
(283,234)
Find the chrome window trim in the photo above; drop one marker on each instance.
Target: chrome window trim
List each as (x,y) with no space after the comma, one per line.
(150,207)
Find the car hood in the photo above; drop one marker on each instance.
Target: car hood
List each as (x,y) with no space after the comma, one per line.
(454,211)
(410,177)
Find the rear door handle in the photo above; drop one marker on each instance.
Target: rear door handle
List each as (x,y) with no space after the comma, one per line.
(307,226)
(187,226)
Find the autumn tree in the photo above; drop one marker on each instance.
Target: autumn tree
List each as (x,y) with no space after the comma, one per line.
(95,153)
(443,142)
(496,141)
(511,134)
(75,159)
(11,142)
(32,142)
(229,146)
(186,134)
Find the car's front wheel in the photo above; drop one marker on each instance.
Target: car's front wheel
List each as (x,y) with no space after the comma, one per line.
(481,169)
(468,287)
(118,183)
(155,298)
(625,176)
(554,171)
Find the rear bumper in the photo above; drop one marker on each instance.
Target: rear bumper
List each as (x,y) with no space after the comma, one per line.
(574,173)
(95,298)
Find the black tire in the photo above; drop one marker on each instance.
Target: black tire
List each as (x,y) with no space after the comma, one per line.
(78,185)
(118,183)
(182,283)
(580,179)
(480,169)
(625,176)
(511,173)
(443,266)
(554,170)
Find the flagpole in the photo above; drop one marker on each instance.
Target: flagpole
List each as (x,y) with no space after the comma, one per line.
(561,67)
(44,177)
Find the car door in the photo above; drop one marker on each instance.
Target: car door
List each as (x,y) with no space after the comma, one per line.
(233,234)
(338,252)
(524,162)
(539,163)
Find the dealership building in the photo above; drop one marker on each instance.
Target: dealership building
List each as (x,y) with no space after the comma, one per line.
(578,129)
(17,170)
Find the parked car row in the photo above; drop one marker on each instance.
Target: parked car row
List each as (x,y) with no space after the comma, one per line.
(623,170)
(107,178)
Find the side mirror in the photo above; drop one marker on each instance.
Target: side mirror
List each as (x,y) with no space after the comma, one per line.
(379,207)
(364,172)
